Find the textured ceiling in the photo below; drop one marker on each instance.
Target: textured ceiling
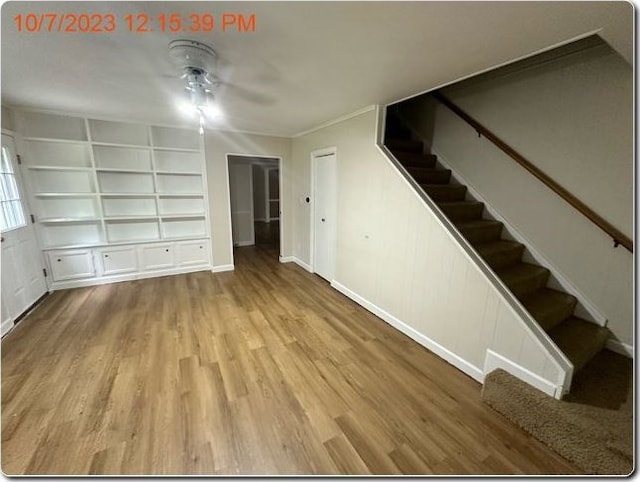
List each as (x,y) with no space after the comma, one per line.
(306,63)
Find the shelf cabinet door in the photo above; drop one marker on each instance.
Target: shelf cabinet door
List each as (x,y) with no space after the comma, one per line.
(68,265)
(118,260)
(192,253)
(156,256)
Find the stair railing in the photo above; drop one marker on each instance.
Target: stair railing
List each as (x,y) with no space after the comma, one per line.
(619,238)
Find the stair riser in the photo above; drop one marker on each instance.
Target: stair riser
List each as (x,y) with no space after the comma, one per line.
(418,162)
(404,145)
(484,234)
(553,318)
(437,176)
(446,192)
(504,258)
(467,212)
(397,132)
(525,286)
(595,348)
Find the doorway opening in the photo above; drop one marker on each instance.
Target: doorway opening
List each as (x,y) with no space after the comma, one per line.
(254,190)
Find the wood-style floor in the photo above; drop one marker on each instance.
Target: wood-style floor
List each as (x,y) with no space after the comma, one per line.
(265,370)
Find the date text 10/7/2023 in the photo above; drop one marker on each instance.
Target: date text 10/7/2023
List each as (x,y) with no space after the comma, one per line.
(71,22)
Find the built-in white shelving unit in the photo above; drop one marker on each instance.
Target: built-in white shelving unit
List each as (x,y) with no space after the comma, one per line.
(115,200)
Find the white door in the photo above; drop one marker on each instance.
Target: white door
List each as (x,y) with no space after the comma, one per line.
(324,214)
(23,280)
(241,192)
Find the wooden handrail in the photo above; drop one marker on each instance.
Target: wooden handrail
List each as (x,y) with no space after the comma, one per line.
(616,234)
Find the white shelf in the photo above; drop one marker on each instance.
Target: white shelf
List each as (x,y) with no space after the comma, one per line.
(124,171)
(65,194)
(150,195)
(175,149)
(182,216)
(68,220)
(180,194)
(127,146)
(97,184)
(122,243)
(179,173)
(55,140)
(58,168)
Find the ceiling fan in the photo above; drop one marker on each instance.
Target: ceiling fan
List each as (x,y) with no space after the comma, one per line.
(206,75)
(197,62)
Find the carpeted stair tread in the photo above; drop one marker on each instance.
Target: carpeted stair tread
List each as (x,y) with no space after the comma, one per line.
(524,278)
(462,210)
(413,159)
(406,145)
(579,340)
(445,192)
(480,230)
(426,175)
(501,253)
(549,307)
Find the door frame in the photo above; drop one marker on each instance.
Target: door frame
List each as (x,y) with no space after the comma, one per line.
(325,151)
(25,197)
(29,200)
(280,183)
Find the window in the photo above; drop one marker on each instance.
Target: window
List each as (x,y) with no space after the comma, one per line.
(12,213)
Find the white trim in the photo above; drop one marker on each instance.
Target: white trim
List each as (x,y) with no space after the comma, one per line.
(494,360)
(63,285)
(497,66)
(280,181)
(245,243)
(296,260)
(447,355)
(619,347)
(6,327)
(335,121)
(222,268)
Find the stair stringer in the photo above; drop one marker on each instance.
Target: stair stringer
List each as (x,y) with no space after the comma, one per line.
(558,387)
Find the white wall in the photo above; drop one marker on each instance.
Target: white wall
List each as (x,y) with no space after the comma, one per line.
(217,145)
(259,199)
(7,119)
(396,258)
(573,118)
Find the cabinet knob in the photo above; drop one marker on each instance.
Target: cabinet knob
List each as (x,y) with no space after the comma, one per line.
(167,250)
(59,260)
(200,247)
(106,255)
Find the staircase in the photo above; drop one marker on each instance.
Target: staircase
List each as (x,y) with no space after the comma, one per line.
(580,340)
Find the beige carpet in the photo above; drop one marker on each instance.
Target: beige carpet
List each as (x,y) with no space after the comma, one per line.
(592,426)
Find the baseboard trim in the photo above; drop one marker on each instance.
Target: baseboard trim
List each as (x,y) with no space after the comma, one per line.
(241,244)
(222,268)
(494,360)
(6,326)
(619,347)
(103,280)
(298,261)
(447,355)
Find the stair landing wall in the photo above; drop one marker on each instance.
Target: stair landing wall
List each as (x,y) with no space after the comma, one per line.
(396,258)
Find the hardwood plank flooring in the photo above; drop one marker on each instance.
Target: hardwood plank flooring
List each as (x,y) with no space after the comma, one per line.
(265,370)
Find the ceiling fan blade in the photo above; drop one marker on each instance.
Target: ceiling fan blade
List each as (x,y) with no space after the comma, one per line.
(246,94)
